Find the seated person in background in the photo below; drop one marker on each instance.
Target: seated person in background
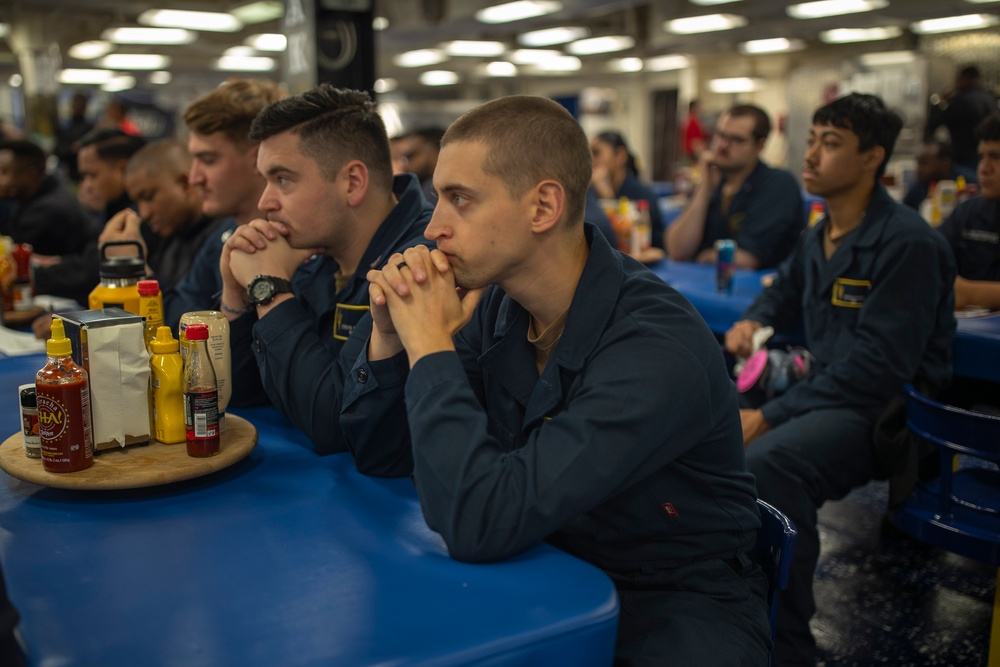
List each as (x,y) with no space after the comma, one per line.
(157,180)
(421,157)
(871,283)
(535,394)
(973,229)
(45,213)
(616,175)
(739,198)
(224,170)
(934,164)
(102,158)
(332,202)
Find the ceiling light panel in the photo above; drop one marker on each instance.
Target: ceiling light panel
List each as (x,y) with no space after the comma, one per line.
(245,64)
(85,76)
(533,56)
(850,35)
(706,3)
(552,36)
(438,77)
(500,68)
(176,18)
(128,61)
(776,45)
(954,23)
(666,63)
(517,11)
(474,49)
(118,83)
(259,12)
(823,8)
(420,58)
(90,50)
(626,64)
(739,84)
(134,35)
(607,44)
(269,41)
(708,23)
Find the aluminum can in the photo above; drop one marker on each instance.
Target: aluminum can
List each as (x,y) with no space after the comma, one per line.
(724,267)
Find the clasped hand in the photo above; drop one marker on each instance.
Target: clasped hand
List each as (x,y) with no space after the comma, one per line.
(416,305)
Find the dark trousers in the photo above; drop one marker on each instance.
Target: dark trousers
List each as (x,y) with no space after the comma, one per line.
(703,614)
(800,465)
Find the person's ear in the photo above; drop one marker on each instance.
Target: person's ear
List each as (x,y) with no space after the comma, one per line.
(354,175)
(873,158)
(549,204)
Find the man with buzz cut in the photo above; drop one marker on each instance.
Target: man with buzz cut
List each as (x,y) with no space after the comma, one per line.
(871,283)
(520,371)
(294,285)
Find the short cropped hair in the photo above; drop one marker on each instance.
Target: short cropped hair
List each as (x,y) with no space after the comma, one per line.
(989,128)
(866,116)
(163,155)
(231,108)
(112,144)
(26,153)
(761,121)
(530,139)
(334,126)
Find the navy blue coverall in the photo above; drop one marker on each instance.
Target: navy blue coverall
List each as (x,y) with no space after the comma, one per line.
(765,217)
(973,232)
(625,452)
(877,314)
(295,352)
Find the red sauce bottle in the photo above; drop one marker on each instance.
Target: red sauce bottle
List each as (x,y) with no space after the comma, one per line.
(63,398)
(201,395)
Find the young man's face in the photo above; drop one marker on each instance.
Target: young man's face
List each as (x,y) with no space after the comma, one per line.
(607,157)
(833,163)
(989,169)
(299,195)
(482,230)
(734,145)
(102,181)
(226,174)
(16,180)
(163,199)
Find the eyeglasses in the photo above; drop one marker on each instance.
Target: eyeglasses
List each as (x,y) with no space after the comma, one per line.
(733,139)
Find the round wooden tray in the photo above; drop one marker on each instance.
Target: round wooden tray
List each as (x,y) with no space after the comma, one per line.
(134,466)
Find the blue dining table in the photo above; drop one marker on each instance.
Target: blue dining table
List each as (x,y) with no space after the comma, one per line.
(283,558)
(977,339)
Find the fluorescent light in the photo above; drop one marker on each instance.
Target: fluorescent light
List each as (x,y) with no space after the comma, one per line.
(500,68)
(15,80)
(420,58)
(981,2)
(953,23)
(244,64)
(135,61)
(708,23)
(776,45)
(159,78)
(608,44)
(259,12)
(887,58)
(848,35)
(817,10)
(438,77)
(551,36)
(517,11)
(380,23)
(268,41)
(472,48)
(740,84)
(133,35)
(118,83)
(4,31)
(85,76)
(533,56)
(665,63)
(558,64)
(239,52)
(177,18)
(712,2)
(90,50)
(626,64)
(386,85)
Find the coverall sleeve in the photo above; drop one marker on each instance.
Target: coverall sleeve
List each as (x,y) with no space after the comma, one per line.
(773,220)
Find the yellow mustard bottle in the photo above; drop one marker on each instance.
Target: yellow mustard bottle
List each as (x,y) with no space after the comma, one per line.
(167,390)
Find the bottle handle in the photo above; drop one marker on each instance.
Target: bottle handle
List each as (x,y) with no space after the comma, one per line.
(138,247)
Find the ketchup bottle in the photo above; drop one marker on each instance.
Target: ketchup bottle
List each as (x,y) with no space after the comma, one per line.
(63,398)
(201,395)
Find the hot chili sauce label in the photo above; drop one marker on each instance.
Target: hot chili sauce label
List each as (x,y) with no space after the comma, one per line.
(64,426)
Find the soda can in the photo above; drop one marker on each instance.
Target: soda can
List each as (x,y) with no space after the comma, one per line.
(724,265)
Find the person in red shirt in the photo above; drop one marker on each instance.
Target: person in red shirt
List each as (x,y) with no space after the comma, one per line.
(694,133)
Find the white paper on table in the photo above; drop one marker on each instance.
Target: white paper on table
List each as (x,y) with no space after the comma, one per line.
(16,343)
(119,384)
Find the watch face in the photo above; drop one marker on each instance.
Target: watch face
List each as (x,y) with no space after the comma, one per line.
(261,289)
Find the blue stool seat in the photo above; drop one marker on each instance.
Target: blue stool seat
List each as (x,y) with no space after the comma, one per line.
(959,511)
